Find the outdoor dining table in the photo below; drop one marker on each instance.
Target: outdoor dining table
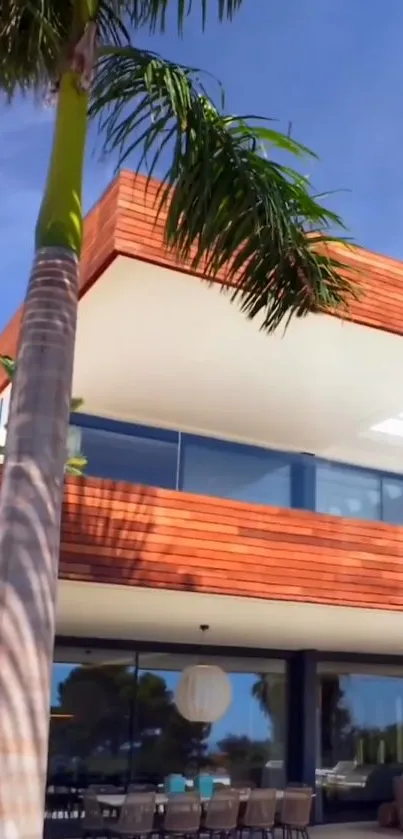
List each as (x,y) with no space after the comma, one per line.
(161,799)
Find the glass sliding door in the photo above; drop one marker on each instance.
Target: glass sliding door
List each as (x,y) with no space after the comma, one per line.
(113,720)
(360,739)
(245,745)
(91,718)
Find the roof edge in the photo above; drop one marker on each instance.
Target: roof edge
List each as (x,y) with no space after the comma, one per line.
(123,223)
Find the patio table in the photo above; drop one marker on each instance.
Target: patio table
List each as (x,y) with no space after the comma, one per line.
(161,799)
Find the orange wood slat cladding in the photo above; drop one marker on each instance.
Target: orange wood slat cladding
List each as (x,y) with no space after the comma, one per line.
(123,223)
(131,535)
(379,278)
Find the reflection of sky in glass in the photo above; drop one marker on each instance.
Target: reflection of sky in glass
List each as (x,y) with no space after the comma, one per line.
(217,468)
(244,716)
(373,700)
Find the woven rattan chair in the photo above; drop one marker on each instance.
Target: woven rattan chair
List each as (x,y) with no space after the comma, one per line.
(222,813)
(135,787)
(243,785)
(104,789)
(260,812)
(182,815)
(296,812)
(136,816)
(108,811)
(94,824)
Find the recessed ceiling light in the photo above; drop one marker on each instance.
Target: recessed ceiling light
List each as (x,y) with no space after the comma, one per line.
(392,426)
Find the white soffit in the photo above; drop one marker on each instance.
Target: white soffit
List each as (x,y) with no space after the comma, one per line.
(143,614)
(160,347)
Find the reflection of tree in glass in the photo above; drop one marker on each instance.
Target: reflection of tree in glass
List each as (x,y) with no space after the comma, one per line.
(269,691)
(243,757)
(379,744)
(98,699)
(102,701)
(166,740)
(336,724)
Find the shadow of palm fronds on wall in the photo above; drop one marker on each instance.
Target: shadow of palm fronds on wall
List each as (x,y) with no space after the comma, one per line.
(121,534)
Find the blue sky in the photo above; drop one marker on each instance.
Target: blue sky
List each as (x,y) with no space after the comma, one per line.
(334,68)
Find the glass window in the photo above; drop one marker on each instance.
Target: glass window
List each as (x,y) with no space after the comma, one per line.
(360,740)
(341,491)
(245,746)
(149,458)
(91,711)
(228,470)
(392,500)
(114,720)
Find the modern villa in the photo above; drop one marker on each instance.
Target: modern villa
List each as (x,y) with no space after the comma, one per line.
(243,508)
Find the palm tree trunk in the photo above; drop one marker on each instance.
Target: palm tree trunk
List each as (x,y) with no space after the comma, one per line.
(32,482)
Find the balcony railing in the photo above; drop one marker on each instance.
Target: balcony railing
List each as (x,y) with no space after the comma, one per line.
(218,468)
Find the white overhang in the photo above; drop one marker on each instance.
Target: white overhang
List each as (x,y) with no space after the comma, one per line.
(161,347)
(155,615)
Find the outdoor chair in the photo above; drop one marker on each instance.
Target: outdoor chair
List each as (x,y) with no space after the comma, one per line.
(61,804)
(243,785)
(398,790)
(136,818)
(105,789)
(94,824)
(182,815)
(134,787)
(222,813)
(260,812)
(296,812)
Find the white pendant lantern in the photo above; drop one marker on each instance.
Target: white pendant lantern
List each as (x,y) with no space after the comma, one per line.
(203,693)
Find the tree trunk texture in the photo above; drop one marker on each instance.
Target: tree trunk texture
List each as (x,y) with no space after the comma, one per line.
(30,512)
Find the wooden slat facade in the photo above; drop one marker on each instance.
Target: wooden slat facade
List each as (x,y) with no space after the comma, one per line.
(117,533)
(378,278)
(131,535)
(123,223)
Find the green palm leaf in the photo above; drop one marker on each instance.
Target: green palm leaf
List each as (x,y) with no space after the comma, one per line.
(153,13)
(76,404)
(269,246)
(75,466)
(34,35)
(8,365)
(31,38)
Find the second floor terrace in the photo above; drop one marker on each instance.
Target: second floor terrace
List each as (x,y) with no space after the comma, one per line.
(169,459)
(183,392)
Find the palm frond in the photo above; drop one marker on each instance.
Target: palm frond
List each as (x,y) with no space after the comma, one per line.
(111,22)
(230,207)
(76,404)
(153,13)
(76,465)
(8,365)
(34,35)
